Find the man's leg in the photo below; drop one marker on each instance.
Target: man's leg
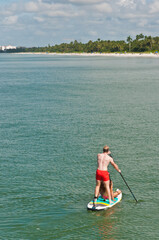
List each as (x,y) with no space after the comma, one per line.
(107,186)
(96,192)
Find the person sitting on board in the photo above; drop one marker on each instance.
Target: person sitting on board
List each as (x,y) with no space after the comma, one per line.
(104,194)
(102,174)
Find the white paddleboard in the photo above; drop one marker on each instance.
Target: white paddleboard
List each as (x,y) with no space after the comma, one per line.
(102,204)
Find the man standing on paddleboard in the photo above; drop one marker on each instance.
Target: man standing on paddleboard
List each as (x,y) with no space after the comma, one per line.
(102,174)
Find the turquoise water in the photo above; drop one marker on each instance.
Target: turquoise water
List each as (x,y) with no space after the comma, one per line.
(57,112)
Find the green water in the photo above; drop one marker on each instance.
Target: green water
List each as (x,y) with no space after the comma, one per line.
(57,112)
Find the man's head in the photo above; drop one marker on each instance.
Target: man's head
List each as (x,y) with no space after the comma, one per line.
(106,149)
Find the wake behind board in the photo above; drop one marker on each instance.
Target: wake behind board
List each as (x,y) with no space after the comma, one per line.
(102,204)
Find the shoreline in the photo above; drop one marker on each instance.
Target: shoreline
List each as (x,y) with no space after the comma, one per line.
(93,54)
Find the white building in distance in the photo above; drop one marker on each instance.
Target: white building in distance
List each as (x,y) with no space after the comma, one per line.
(7,47)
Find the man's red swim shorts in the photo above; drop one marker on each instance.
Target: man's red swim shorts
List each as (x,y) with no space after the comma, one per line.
(102,175)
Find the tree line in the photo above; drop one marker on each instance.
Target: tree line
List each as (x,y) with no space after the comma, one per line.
(140,44)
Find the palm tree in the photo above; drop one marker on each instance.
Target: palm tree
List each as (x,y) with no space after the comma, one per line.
(141,36)
(129,40)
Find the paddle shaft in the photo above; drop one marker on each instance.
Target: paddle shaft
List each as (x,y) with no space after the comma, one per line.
(126,183)
(128,186)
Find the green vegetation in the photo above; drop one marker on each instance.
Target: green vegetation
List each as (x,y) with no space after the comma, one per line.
(140,44)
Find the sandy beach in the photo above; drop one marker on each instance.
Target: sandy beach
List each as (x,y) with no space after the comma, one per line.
(97,54)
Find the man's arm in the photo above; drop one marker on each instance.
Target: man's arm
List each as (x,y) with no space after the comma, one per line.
(115,165)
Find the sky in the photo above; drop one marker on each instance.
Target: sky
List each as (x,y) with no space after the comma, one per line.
(41,22)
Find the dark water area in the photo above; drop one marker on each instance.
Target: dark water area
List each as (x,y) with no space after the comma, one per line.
(57,113)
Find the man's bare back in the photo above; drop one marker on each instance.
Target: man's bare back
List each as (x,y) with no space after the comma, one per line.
(103,160)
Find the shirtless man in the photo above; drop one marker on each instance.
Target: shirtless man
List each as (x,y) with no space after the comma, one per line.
(102,174)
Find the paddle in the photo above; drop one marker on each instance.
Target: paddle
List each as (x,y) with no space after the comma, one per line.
(126,182)
(128,186)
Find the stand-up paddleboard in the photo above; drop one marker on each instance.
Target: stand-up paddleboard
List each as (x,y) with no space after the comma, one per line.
(102,204)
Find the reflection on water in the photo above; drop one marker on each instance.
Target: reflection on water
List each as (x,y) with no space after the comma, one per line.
(108,227)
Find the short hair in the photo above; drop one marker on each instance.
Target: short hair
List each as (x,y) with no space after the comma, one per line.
(105,148)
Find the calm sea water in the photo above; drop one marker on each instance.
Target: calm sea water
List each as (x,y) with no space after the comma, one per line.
(57,112)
